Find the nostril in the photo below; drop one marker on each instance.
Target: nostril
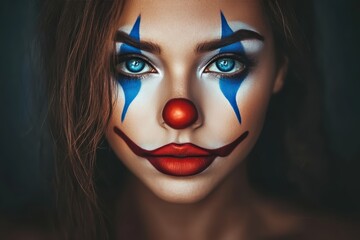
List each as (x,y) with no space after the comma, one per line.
(179,113)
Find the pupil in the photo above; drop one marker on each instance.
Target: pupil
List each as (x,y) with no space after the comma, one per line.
(135,65)
(225,64)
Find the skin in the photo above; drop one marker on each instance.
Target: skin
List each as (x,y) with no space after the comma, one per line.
(180,74)
(210,197)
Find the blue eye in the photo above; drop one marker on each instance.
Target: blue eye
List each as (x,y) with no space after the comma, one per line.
(225,64)
(134,66)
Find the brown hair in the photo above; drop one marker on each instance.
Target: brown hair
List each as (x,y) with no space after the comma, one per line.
(296,166)
(76,38)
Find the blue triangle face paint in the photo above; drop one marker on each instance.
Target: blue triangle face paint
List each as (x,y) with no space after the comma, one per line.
(230,86)
(131,86)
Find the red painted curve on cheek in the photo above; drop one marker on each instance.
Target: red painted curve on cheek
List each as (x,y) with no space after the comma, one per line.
(181,159)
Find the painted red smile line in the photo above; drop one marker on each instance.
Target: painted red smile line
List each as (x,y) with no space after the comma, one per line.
(181,159)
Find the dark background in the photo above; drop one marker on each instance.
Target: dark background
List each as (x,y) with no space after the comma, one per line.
(333,28)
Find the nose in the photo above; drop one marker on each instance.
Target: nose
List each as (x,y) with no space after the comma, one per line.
(179,113)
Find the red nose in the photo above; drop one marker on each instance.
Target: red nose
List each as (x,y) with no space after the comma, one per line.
(179,113)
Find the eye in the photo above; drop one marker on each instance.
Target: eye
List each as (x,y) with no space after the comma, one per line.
(134,66)
(226,65)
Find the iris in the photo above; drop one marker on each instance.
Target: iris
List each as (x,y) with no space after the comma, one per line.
(135,65)
(225,64)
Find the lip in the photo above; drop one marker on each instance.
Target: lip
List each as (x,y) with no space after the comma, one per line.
(181,159)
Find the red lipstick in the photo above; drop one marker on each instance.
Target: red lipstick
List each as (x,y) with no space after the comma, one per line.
(181,159)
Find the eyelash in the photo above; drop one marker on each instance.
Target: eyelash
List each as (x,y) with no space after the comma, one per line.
(248,63)
(242,58)
(121,59)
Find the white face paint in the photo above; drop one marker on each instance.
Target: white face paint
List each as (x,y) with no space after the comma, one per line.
(179,71)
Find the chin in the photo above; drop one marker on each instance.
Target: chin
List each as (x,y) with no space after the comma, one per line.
(186,190)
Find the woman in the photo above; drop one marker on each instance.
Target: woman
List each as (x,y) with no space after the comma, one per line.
(179,92)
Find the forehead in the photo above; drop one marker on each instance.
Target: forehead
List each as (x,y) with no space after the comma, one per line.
(169,21)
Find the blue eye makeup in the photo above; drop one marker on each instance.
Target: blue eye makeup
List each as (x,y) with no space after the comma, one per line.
(128,82)
(230,83)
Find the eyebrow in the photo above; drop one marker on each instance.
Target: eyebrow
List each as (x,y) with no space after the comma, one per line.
(142,45)
(240,35)
(151,47)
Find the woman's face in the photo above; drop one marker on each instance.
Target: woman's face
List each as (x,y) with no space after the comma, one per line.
(194,81)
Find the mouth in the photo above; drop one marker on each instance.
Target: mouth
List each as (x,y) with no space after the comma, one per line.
(181,159)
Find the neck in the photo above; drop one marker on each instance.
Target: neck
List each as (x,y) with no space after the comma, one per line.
(223,210)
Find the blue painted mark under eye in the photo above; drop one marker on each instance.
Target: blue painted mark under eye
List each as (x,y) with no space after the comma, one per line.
(230,86)
(131,86)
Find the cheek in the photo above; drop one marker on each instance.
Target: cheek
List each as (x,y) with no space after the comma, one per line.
(144,114)
(255,93)
(251,97)
(253,102)
(131,88)
(229,88)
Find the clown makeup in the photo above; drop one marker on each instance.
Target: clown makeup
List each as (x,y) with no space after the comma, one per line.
(130,67)
(194,81)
